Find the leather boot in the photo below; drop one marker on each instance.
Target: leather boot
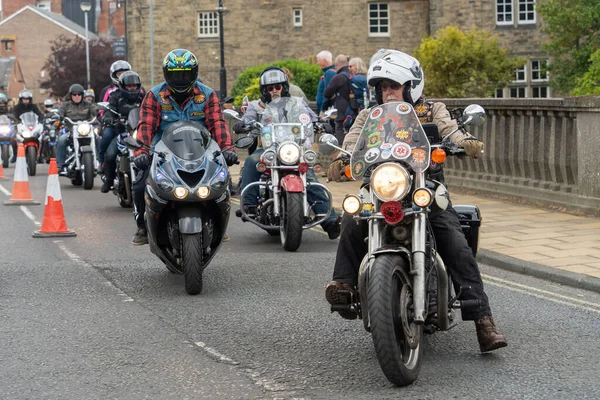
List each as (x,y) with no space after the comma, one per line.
(488,335)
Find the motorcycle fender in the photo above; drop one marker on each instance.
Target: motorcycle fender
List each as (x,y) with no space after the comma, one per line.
(405,253)
(292,183)
(190,220)
(85,149)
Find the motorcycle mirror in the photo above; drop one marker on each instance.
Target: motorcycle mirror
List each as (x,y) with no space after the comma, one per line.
(233,114)
(328,138)
(244,104)
(103,105)
(474,115)
(244,142)
(131,143)
(330,113)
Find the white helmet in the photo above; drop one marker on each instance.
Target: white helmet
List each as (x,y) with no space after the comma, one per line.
(398,67)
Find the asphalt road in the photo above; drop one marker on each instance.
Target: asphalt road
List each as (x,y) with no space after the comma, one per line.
(94,317)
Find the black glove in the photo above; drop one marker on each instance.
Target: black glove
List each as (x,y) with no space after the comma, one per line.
(107,121)
(142,161)
(230,157)
(239,126)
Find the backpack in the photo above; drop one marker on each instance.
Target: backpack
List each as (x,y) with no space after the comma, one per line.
(358,98)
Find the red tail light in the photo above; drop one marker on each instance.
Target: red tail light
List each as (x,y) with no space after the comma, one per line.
(303,168)
(30,127)
(392,212)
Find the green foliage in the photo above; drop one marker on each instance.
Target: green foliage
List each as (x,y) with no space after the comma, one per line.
(589,83)
(465,64)
(252,92)
(304,74)
(573,27)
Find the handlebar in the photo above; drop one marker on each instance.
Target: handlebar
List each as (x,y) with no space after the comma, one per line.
(80,122)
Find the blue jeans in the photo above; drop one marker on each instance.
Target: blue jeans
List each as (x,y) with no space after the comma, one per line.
(313,193)
(61,150)
(107,137)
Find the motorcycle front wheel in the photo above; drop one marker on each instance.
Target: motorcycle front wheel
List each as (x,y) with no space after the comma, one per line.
(31,156)
(191,254)
(5,156)
(87,160)
(292,219)
(397,339)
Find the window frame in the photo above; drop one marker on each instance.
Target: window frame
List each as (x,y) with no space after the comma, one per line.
(533,89)
(517,80)
(379,19)
(510,88)
(47,5)
(297,24)
(526,21)
(504,13)
(214,16)
(543,64)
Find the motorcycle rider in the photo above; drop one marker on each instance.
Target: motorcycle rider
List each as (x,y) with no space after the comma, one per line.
(89,96)
(273,85)
(116,69)
(77,109)
(24,105)
(126,97)
(48,114)
(180,97)
(397,76)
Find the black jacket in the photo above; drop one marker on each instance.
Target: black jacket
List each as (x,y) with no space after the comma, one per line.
(340,88)
(121,103)
(21,109)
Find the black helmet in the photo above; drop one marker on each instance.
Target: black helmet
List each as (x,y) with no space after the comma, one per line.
(130,78)
(273,76)
(180,69)
(76,88)
(117,66)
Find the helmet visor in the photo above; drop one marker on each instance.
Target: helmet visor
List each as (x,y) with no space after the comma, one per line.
(180,79)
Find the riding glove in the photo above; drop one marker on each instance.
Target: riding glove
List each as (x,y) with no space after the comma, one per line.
(230,157)
(142,161)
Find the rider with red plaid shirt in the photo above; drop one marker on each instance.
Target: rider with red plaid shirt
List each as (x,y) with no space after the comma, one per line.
(180,97)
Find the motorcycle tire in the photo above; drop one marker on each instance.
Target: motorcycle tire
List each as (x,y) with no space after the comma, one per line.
(52,152)
(87,160)
(31,157)
(77,180)
(123,202)
(191,252)
(5,155)
(292,220)
(398,341)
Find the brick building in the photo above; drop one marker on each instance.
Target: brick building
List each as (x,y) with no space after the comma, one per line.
(260,31)
(11,76)
(33,31)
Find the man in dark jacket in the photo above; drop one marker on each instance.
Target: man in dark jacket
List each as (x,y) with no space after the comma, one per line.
(77,109)
(325,62)
(338,92)
(24,105)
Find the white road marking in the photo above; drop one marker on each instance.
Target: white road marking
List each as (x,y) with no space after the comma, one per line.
(4,190)
(76,259)
(29,214)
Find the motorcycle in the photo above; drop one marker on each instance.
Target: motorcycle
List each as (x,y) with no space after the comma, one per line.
(50,138)
(29,132)
(81,153)
(283,208)
(7,134)
(404,289)
(187,199)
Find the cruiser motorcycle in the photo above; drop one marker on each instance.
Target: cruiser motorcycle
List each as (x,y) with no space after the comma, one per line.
(29,132)
(187,199)
(283,208)
(81,153)
(403,286)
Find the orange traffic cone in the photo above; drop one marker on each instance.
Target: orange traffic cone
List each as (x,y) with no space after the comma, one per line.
(54,223)
(2,177)
(21,195)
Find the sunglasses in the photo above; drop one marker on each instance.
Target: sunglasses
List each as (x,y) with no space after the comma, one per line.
(270,88)
(76,94)
(385,85)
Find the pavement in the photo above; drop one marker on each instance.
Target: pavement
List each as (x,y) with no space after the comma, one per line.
(544,243)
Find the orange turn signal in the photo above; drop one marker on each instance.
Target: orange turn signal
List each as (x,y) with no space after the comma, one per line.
(348,172)
(438,156)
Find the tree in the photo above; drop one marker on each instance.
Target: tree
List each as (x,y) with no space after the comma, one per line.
(66,65)
(464,64)
(589,83)
(573,27)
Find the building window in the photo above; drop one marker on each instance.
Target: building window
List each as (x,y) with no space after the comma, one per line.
(297,17)
(208,24)
(526,11)
(379,19)
(504,12)
(538,71)
(499,93)
(520,74)
(44,5)
(8,45)
(518,92)
(539,92)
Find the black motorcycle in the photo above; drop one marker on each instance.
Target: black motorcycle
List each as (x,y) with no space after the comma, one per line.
(187,200)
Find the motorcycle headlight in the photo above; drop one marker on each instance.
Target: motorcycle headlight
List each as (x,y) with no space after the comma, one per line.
(84,129)
(310,157)
(164,183)
(390,182)
(351,204)
(268,157)
(4,130)
(26,133)
(203,192)
(289,153)
(180,192)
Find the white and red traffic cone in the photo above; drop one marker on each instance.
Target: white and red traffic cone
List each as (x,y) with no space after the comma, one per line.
(21,195)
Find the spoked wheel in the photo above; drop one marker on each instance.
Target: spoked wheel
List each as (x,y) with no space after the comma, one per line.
(292,219)
(396,337)
(191,246)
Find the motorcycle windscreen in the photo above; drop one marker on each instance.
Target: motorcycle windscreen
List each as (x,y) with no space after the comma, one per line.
(187,140)
(391,133)
(4,120)
(133,118)
(285,119)
(29,118)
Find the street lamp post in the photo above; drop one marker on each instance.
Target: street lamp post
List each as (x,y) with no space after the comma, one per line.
(85,7)
(222,70)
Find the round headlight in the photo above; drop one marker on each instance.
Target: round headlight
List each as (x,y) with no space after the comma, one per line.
(4,129)
(422,197)
(203,192)
(180,192)
(289,153)
(268,157)
(390,182)
(351,204)
(84,129)
(310,157)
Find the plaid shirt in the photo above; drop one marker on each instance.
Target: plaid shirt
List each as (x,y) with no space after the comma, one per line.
(150,114)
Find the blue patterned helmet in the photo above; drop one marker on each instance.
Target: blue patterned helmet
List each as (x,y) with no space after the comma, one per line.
(180,69)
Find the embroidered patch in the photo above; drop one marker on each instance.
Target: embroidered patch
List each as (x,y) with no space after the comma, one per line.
(166,107)
(358,168)
(376,113)
(386,154)
(197,114)
(418,157)
(401,151)
(402,134)
(371,155)
(403,108)
(374,139)
(199,98)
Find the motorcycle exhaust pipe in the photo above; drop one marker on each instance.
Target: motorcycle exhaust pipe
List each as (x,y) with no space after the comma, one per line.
(128,187)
